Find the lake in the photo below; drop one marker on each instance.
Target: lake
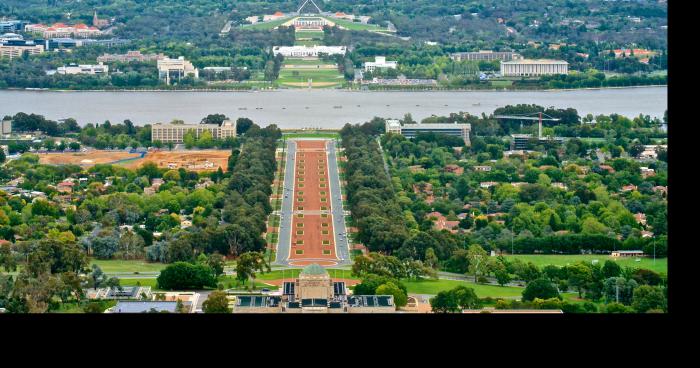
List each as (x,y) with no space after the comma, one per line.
(316,108)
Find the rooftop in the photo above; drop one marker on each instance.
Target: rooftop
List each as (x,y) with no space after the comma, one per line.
(313,269)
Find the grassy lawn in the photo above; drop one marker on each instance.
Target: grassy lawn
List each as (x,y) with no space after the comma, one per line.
(266,25)
(501,83)
(294,272)
(355,26)
(118,265)
(542,260)
(435,286)
(138,282)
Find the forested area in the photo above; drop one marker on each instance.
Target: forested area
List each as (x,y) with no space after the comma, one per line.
(50,239)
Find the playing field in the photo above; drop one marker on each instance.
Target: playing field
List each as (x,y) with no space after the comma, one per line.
(541,260)
(205,160)
(86,159)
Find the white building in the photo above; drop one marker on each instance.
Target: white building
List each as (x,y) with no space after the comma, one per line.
(308,51)
(175,133)
(169,69)
(381,63)
(485,55)
(529,67)
(98,69)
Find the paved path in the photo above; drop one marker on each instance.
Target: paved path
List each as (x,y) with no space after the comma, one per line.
(340,241)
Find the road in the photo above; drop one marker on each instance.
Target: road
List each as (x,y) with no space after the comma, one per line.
(284,240)
(341,238)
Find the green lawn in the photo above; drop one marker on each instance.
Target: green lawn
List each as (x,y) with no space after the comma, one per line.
(501,83)
(319,35)
(298,61)
(138,282)
(118,265)
(355,26)
(542,260)
(435,286)
(294,272)
(266,25)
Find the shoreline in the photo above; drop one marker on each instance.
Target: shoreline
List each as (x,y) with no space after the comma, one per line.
(334,89)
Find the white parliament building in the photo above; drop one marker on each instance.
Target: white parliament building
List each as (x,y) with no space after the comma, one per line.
(308,51)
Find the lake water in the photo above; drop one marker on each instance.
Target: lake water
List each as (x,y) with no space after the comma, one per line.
(316,108)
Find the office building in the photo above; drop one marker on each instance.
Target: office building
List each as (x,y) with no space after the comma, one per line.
(380,63)
(529,67)
(412,130)
(12,26)
(98,69)
(175,133)
(308,51)
(485,55)
(16,48)
(130,56)
(175,69)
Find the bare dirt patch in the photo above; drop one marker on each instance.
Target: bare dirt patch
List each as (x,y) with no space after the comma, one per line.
(89,158)
(206,160)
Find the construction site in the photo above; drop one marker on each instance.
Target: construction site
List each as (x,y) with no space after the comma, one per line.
(204,160)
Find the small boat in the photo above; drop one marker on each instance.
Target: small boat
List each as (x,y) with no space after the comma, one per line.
(476,104)
(337,107)
(242,108)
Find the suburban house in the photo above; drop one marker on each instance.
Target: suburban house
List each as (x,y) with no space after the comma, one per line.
(454,169)
(640,218)
(441,222)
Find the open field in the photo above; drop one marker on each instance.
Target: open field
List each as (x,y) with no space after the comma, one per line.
(263,26)
(542,260)
(204,160)
(118,265)
(435,286)
(89,158)
(355,26)
(297,72)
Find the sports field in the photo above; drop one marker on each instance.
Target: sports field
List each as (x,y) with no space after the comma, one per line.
(541,260)
(297,72)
